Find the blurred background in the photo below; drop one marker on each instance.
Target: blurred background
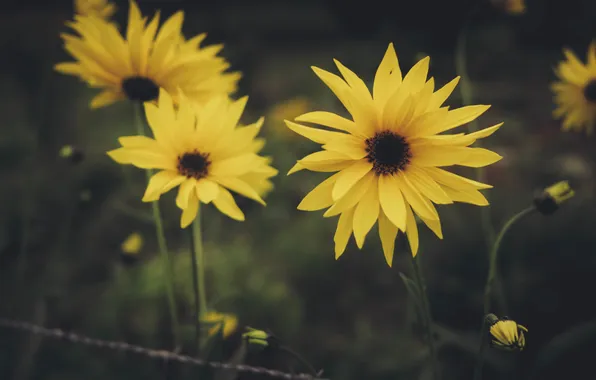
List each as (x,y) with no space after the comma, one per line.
(62,224)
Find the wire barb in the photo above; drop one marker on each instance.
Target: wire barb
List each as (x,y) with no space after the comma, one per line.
(151,353)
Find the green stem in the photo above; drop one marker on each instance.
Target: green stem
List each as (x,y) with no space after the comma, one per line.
(465,89)
(494,254)
(481,351)
(195,288)
(299,358)
(161,239)
(198,248)
(426,315)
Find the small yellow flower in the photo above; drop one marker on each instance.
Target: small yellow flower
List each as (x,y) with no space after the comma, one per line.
(549,200)
(133,244)
(96,8)
(226,323)
(575,92)
(256,337)
(506,334)
(202,150)
(513,7)
(390,157)
(147,58)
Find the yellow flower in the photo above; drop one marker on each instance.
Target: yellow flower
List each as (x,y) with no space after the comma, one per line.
(137,65)
(575,92)
(506,334)
(202,150)
(549,200)
(133,244)
(227,323)
(97,8)
(389,157)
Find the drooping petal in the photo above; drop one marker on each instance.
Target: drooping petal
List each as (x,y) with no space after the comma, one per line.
(387,233)
(226,204)
(366,214)
(352,197)
(392,201)
(160,183)
(189,213)
(185,192)
(343,232)
(319,197)
(421,205)
(207,190)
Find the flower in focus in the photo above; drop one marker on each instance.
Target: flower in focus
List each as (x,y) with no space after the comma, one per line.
(389,159)
(137,65)
(506,334)
(226,323)
(575,92)
(97,8)
(548,201)
(200,148)
(133,244)
(513,7)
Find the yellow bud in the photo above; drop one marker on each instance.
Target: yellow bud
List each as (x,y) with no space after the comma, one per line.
(549,200)
(506,334)
(256,337)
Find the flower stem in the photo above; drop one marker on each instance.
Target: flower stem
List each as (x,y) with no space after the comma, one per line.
(481,351)
(198,273)
(465,88)
(161,239)
(494,253)
(427,318)
(299,358)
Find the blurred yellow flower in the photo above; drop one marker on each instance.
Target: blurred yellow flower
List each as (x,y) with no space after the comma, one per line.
(227,323)
(137,65)
(575,92)
(288,109)
(514,7)
(133,244)
(97,8)
(201,149)
(389,157)
(506,334)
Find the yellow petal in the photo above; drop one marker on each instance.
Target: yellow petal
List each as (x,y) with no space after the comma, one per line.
(227,205)
(471,196)
(323,161)
(417,201)
(387,77)
(207,190)
(349,176)
(186,190)
(425,155)
(142,159)
(453,180)
(457,117)
(343,232)
(352,197)
(416,77)
(412,231)
(441,95)
(351,146)
(234,166)
(480,157)
(330,120)
(434,225)
(105,98)
(366,214)
(160,183)
(387,233)
(357,84)
(319,197)
(427,186)
(241,187)
(392,201)
(317,135)
(190,212)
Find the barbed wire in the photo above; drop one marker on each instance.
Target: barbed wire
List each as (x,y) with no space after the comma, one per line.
(151,353)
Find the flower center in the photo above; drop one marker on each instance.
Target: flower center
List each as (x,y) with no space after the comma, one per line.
(140,89)
(590,91)
(194,164)
(388,152)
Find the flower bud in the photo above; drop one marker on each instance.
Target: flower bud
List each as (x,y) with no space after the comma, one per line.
(256,337)
(549,200)
(505,333)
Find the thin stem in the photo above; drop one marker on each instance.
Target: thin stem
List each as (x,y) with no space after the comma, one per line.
(494,254)
(426,315)
(481,351)
(161,239)
(465,89)
(195,288)
(198,240)
(299,358)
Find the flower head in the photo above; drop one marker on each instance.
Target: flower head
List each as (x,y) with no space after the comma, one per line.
(575,91)
(548,201)
(506,334)
(226,323)
(97,8)
(200,148)
(137,65)
(389,158)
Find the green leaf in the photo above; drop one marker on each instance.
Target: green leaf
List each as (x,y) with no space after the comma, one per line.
(565,348)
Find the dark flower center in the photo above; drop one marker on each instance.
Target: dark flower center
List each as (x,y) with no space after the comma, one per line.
(194,164)
(140,89)
(388,152)
(590,91)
